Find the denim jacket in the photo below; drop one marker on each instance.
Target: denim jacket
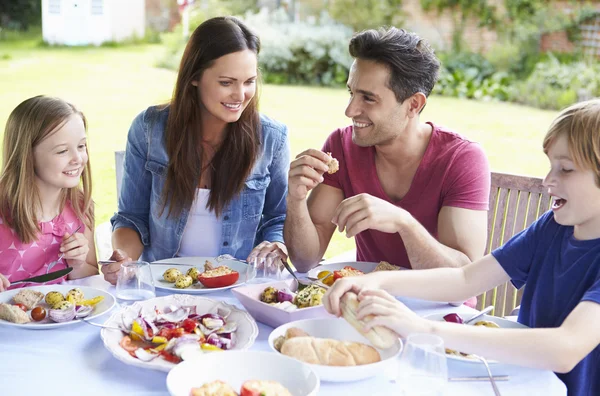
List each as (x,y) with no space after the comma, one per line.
(257,214)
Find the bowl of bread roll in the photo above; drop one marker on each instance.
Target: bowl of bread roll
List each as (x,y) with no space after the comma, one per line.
(337,348)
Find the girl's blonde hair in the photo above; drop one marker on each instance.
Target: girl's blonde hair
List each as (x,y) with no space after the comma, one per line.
(29,123)
(580,123)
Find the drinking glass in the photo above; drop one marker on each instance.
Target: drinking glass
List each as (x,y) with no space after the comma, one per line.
(134,282)
(267,269)
(422,366)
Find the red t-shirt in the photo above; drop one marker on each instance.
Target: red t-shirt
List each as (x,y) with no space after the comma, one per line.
(453,172)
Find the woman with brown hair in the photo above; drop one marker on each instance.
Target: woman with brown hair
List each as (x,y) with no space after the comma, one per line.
(206,174)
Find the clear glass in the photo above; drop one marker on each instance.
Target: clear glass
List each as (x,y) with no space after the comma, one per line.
(423,369)
(134,282)
(267,269)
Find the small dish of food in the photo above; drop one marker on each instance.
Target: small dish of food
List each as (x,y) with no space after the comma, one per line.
(49,306)
(248,373)
(280,302)
(197,275)
(329,273)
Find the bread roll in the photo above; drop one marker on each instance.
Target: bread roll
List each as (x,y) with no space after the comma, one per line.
(29,298)
(380,337)
(330,352)
(13,314)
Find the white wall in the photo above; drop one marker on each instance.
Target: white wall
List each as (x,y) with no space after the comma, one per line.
(127,19)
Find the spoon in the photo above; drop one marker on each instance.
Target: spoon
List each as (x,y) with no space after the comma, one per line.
(479,315)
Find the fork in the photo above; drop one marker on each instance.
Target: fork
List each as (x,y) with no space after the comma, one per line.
(492,380)
(52,264)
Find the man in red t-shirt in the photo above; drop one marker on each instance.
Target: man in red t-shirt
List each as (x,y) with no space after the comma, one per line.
(412,193)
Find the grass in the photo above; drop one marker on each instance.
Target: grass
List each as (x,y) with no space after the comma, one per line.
(112,85)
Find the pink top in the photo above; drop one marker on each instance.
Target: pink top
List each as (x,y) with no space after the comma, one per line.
(453,172)
(23,260)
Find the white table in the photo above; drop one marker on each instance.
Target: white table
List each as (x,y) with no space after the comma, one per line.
(73,361)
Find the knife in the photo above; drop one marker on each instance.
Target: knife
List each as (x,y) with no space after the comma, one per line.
(46,277)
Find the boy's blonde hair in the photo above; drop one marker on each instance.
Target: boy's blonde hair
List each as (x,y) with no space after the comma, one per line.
(580,123)
(29,123)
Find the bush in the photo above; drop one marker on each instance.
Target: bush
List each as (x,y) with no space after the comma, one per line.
(555,85)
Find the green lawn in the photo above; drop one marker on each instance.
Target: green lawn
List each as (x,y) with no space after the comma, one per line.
(112,85)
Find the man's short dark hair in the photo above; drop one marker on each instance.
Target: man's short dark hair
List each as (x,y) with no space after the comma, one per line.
(413,65)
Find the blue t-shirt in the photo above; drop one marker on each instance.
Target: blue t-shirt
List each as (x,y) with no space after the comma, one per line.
(558,272)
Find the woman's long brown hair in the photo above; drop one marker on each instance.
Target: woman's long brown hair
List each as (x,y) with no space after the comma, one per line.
(29,123)
(234,160)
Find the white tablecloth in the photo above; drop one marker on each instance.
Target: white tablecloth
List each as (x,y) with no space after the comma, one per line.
(73,361)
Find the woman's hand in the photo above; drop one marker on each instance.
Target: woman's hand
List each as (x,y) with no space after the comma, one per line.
(331,299)
(111,271)
(75,248)
(268,249)
(389,312)
(4,283)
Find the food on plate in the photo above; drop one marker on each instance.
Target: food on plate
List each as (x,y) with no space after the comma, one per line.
(215,388)
(249,388)
(38,314)
(345,272)
(329,352)
(74,295)
(263,388)
(310,296)
(326,277)
(171,275)
(381,337)
(63,311)
(13,314)
(193,273)
(53,298)
(453,318)
(23,307)
(220,276)
(172,332)
(183,281)
(269,295)
(487,323)
(289,333)
(385,266)
(333,165)
(29,298)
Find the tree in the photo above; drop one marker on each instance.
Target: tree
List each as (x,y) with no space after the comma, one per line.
(20,14)
(366,14)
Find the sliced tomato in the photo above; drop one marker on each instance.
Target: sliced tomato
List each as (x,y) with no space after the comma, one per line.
(169,357)
(189,325)
(220,280)
(346,271)
(171,333)
(23,307)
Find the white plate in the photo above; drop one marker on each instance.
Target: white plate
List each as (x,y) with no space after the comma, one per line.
(359,265)
(235,368)
(503,323)
(249,296)
(246,332)
(183,264)
(339,329)
(88,292)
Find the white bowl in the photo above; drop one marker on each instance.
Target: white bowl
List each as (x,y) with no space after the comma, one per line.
(89,292)
(339,329)
(246,332)
(268,314)
(235,368)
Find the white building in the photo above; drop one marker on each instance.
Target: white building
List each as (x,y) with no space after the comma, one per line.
(92,22)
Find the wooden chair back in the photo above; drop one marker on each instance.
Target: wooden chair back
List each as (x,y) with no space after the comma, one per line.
(515,202)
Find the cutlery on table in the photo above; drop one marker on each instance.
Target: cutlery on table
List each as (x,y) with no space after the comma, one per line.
(479,315)
(52,264)
(478,378)
(490,376)
(45,278)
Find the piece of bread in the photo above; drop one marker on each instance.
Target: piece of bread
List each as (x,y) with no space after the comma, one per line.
(215,388)
(385,266)
(13,314)
(289,333)
(380,337)
(330,352)
(333,165)
(29,298)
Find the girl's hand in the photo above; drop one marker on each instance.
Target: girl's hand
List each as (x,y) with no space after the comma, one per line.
(111,271)
(75,248)
(4,283)
(389,312)
(270,249)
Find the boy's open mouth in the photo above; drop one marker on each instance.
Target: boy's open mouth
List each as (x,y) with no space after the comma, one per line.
(558,203)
